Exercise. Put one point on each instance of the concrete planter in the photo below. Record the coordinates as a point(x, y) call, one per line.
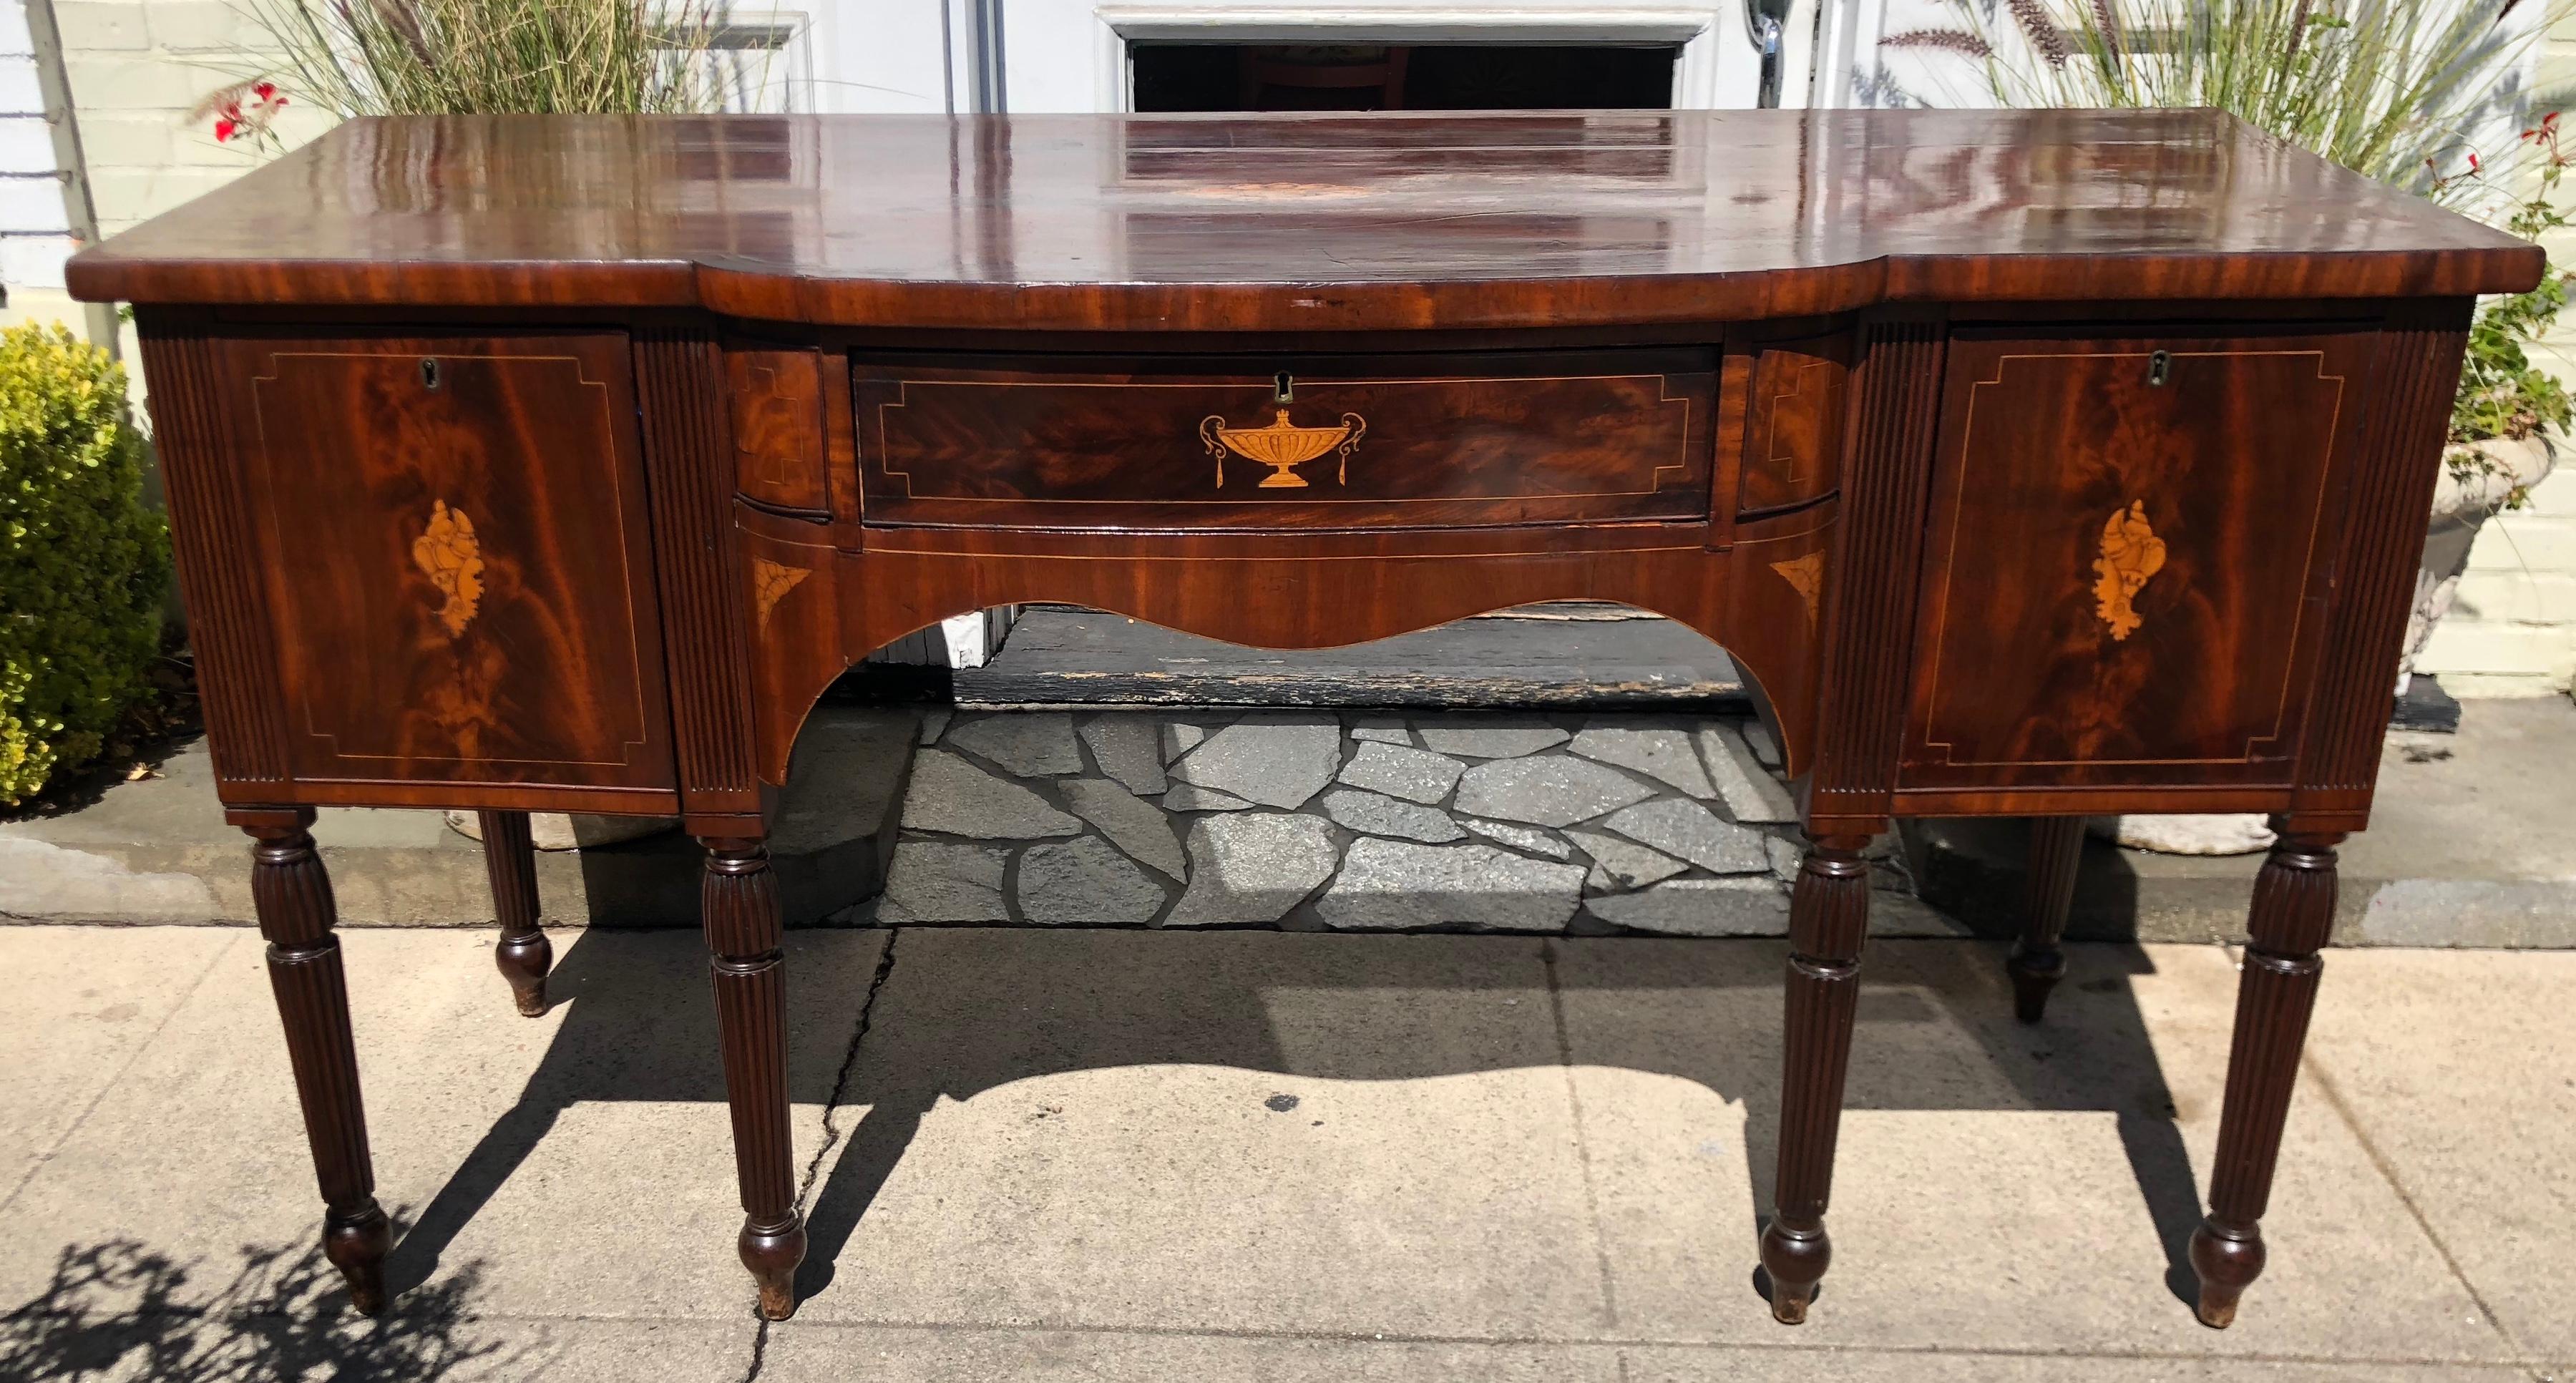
point(2461, 506)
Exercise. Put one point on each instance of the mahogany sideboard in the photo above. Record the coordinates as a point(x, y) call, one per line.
point(2031, 463)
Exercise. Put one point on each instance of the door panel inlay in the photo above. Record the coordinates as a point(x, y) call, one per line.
point(457, 557)
point(2129, 544)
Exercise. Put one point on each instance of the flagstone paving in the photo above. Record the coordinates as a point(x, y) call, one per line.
point(1369, 821)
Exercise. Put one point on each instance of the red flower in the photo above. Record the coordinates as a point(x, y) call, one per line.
point(224, 128)
point(264, 90)
point(2473, 163)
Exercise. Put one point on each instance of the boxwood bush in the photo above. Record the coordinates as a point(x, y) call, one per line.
point(83, 562)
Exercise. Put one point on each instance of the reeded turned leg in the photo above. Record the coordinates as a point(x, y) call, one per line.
point(523, 955)
point(2056, 843)
point(292, 893)
point(2293, 914)
point(1828, 920)
point(740, 903)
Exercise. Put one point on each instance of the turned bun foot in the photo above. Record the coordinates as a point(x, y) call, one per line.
point(2034, 975)
point(2228, 1261)
point(772, 1253)
point(357, 1247)
point(524, 961)
point(1796, 1259)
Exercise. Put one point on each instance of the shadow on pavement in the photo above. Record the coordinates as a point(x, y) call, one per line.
point(1935, 1032)
point(119, 1309)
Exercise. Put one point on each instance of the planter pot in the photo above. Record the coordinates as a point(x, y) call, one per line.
point(561, 831)
point(2460, 508)
point(2216, 834)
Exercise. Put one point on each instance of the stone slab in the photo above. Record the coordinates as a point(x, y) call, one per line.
point(954, 797)
point(1031, 744)
point(1551, 791)
point(573, 1165)
point(1486, 738)
point(1394, 884)
point(1375, 813)
point(1751, 794)
point(1415, 775)
point(1132, 824)
point(1128, 748)
point(1273, 760)
point(942, 881)
point(1085, 881)
point(1526, 839)
point(1622, 864)
point(1658, 751)
point(1189, 797)
point(1228, 1131)
point(1252, 868)
point(1998, 1187)
point(1693, 832)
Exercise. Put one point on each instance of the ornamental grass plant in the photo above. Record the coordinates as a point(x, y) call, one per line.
point(83, 561)
point(474, 57)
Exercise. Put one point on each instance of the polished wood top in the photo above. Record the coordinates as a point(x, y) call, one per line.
point(1337, 222)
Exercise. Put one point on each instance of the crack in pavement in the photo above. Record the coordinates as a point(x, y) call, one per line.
point(831, 1129)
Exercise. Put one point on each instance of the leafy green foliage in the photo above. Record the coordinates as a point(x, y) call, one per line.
point(2502, 394)
point(83, 562)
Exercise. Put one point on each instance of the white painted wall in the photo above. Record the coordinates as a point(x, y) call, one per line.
point(35, 226)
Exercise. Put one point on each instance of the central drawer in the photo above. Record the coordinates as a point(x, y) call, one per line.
point(1287, 442)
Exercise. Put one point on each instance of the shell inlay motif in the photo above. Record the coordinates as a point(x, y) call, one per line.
point(1806, 576)
point(2131, 553)
point(448, 555)
point(770, 583)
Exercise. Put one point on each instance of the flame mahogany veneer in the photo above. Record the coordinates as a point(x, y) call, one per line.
point(2036, 463)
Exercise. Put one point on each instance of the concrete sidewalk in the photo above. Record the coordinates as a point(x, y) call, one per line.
point(1078, 1154)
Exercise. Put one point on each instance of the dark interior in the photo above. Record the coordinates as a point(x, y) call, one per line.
point(1431, 76)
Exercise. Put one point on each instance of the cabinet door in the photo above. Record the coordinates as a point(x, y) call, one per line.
point(2128, 558)
point(459, 573)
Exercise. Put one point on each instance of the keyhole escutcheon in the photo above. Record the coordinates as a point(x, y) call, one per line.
point(1284, 387)
point(2160, 368)
point(429, 373)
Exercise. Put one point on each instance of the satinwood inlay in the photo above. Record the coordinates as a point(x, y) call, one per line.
point(2131, 553)
point(448, 555)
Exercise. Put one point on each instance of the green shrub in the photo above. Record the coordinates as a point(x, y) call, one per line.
point(83, 562)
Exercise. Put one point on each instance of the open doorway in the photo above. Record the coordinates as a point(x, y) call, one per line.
point(1170, 77)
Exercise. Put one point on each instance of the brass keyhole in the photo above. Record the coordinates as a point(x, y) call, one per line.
point(429, 373)
point(1285, 386)
point(2160, 367)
